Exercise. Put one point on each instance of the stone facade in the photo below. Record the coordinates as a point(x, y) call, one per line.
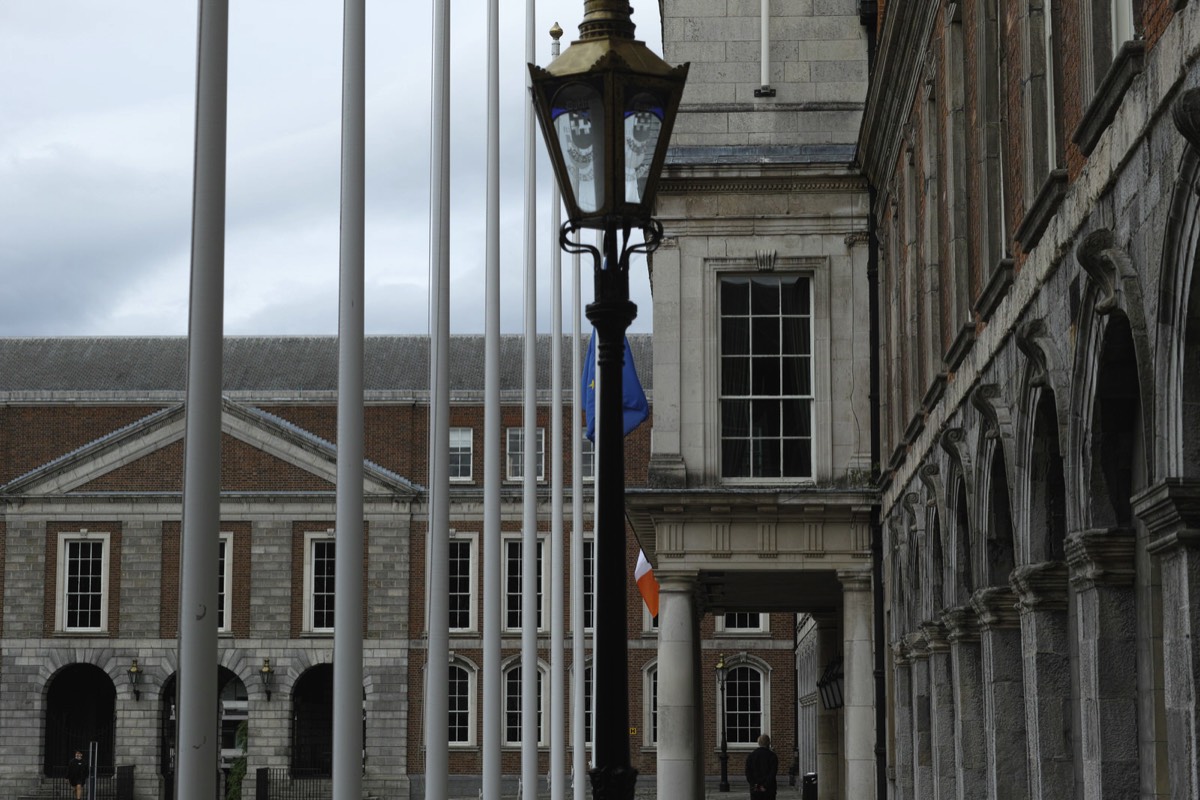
point(1037, 308)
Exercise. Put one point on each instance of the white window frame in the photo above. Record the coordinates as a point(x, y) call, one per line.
point(764, 676)
point(543, 588)
point(225, 585)
point(60, 590)
point(1120, 23)
point(472, 540)
point(310, 540)
point(543, 703)
point(589, 594)
point(587, 460)
point(470, 453)
point(815, 386)
point(472, 706)
point(764, 624)
point(514, 458)
point(650, 704)
point(649, 623)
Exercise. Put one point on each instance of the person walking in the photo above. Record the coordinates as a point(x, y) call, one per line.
point(761, 766)
point(77, 773)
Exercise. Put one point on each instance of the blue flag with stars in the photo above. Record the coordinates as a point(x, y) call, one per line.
point(633, 397)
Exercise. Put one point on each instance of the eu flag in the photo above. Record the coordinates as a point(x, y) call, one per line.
point(633, 398)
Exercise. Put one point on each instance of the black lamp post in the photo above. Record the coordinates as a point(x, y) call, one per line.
point(722, 673)
point(606, 107)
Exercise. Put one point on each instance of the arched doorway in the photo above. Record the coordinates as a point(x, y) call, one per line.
point(80, 708)
point(312, 723)
point(232, 712)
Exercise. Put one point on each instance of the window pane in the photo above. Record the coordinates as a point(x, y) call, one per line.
point(796, 380)
point(797, 418)
point(512, 584)
point(323, 586)
point(735, 376)
point(735, 418)
point(460, 705)
point(460, 453)
point(764, 296)
point(766, 462)
point(765, 336)
point(735, 458)
point(221, 584)
point(796, 337)
point(794, 296)
point(766, 418)
point(512, 706)
point(589, 582)
point(743, 705)
point(765, 377)
point(735, 336)
point(83, 599)
point(797, 458)
point(735, 296)
point(460, 584)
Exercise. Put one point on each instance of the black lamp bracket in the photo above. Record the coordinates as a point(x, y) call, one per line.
point(652, 236)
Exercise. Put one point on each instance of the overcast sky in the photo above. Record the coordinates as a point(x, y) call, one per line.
point(96, 132)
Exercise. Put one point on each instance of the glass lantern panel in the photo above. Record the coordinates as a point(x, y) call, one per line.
point(643, 127)
point(577, 113)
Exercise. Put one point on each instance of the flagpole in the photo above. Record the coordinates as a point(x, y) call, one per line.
point(492, 441)
point(196, 771)
point(578, 665)
point(348, 558)
point(529, 587)
point(558, 589)
point(437, 674)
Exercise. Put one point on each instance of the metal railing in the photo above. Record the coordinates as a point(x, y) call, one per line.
point(281, 783)
point(111, 784)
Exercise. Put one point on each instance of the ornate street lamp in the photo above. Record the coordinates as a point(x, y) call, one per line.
point(135, 676)
point(606, 108)
point(722, 674)
point(266, 675)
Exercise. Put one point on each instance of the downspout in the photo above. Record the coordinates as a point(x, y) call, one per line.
point(868, 17)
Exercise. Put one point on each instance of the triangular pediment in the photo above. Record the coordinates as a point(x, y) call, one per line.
point(261, 454)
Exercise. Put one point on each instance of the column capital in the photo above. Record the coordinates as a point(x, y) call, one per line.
point(1041, 587)
point(996, 607)
point(962, 625)
point(855, 580)
point(900, 653)
point(935, 637)
point(918, 648)
point(1103, 557)
point(677, 581)
point(1170, 510)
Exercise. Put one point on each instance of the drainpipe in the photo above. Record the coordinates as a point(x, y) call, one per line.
point(868, 17)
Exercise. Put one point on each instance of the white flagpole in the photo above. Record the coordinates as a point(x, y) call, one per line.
point(348, 560)
point(578, 699)
point(493, 447)
point(437, 748)
point(196, 772)
point(529, 587)
point(558, 590)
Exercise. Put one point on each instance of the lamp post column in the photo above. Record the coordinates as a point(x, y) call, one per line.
point(613, 777)
point(724, 784)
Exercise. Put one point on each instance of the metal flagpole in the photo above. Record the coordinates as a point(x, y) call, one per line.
point(492, 443)
point(578, 700)
point(196, 768)
point(529, 587)
point(437, 674)
point(348, 557)
point(558, 589)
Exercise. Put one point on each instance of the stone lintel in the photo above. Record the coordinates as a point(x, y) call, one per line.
point(935, 637)
point(1170, 510)
point(1041, 587)
point(1101, 558)
point(962, 625)
point(996, 607)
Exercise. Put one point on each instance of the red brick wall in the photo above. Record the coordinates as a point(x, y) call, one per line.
point(30, 436)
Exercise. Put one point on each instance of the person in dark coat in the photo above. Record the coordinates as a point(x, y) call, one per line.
point(77, 773)
point(761, 766)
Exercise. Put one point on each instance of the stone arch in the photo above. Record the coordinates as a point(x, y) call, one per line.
point(1177, 334)
point(1044, 510)
point(80, 707)
point(962, 556)
point(935, 506)
point(997, 557)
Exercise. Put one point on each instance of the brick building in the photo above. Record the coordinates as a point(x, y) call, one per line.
point(1034, 172)
point(91, 443)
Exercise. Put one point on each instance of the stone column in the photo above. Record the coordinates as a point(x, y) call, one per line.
point(829, 721)
point(679, 748)
point(970, 754)
point(859, 684)
point(1003, 693)
point(941, 712)
point(1046, 644)
point(902, 715)
point(918, 655)
point(1171, 512)
point(1102, 574)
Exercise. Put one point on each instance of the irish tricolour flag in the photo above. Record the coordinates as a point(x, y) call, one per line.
point(643, 573)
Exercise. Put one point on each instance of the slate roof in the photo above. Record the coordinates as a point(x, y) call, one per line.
point(256, 365)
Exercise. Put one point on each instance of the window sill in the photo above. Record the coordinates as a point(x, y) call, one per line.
point(316, 634)
point(997, 286)
point(936, 389)
point(915, 426)
point(1044, 207)
point(82, 634)
point(961, 345)
point(1103, 108)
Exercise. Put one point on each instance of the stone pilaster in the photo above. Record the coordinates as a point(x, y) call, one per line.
point(1102, 573)
point(1042, 590)
point(918, 655)
point(680, 753)
point(858, 683)
point(1171, 512)
point(903, 712)
point(1003, 693)
point(941, 711)
point(970, 755)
